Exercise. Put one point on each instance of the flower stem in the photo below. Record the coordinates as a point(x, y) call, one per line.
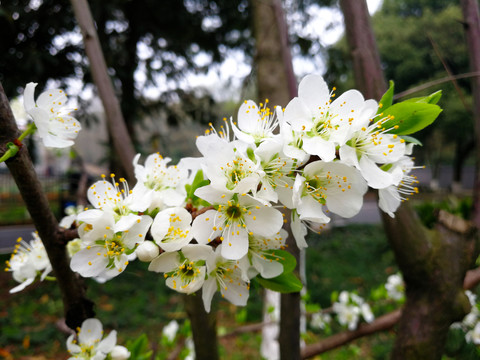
point(29, 130)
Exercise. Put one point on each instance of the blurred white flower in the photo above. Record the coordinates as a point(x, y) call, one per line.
point(55, 125)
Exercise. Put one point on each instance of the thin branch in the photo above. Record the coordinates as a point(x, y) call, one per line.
point(449, 72)
point(382, 323)
point(435, 82)
point(76, 307)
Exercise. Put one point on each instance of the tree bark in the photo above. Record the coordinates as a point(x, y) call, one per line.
point(76, 307)
point(276, 81)
point(115, 121)
point(472, 33)
point(366, 59)
point(433, 263)
point(204, 328)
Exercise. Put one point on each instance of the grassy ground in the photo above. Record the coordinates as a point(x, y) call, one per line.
point(354, 257)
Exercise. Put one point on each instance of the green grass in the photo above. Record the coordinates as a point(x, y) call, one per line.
point(350, 258)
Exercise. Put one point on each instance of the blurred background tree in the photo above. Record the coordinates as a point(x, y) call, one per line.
point(419, 42)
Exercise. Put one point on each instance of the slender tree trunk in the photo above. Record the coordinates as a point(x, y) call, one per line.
point(472, 32)
point(276, 81)
point(116, 124)
point(367, 68)
point(204, 329)
point(76, 307)
point(433, 263)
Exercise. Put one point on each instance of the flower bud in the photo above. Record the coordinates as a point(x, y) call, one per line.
point(120, 353)
point(147, 251)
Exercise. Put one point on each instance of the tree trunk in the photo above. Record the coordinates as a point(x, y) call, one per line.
point(433, 263)
point(472, 32)
point(204, 328)
point(276, 81)
point(115, 122)
point(366, 60)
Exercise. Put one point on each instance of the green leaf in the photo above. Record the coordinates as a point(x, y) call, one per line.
point(387, 98)
point(284, 283)
point(284, 257)
point(197, 182)
point(410, 117)
point(412, 140)
point(430, 99)
point(139, 348)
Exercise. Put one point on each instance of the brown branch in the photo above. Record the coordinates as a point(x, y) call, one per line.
point(247, 329)
point(76, 307)
point(382, 323)
point(115, 121)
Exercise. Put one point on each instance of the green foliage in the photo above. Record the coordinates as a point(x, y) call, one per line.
point(460, 207)
point(139, 348)
point(387, 99)
point(284, 283)
point(197, 182)
point(362, 260)
point(410, 117)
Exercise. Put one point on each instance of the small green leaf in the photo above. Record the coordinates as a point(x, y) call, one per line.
point(430, 99)
point(387, 98)
point(410, 117)
point(139, 348)
point(197, 182)
point(284, 283)
point(284, 257)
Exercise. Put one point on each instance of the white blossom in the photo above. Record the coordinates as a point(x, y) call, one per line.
point(55, 125)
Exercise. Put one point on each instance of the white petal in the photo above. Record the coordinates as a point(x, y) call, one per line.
point(235, 243)
point(196, 252)
point(314, 91)
point(203, 227)
point(88, 263)
point(299, 231)
point(208, 290)
point(265, 221)
point(375, 177)
point(268, 269)
point(298, 115)
point(166, 262)
point(125, 222)
point(320, 147)
point(28, 96)
point(248, 116)
point(107, 344)
point(90, 332)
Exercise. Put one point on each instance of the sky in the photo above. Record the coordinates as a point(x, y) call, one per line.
point(327, 21)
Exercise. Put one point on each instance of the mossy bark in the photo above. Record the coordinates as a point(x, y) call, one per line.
point(434, 264)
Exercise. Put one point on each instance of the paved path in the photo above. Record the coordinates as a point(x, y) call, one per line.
point(10, 234)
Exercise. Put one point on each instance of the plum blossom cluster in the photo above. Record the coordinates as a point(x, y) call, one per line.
point(349, 310)
point(216, 221)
